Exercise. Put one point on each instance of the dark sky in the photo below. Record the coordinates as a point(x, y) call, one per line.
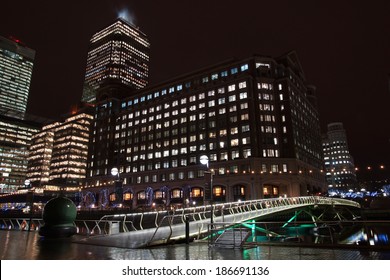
point(343, 46)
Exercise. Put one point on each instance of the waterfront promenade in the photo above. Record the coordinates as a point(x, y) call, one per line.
point(23, 245)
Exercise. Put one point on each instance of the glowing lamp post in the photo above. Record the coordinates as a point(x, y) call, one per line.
point(204, 160)
point(118, 185)
point(30, 198)
point(208, 191)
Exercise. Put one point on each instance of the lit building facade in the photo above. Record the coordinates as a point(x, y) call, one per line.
point(15, 139)
point(16, 128)
point(255, 119)
point(339, 165)
point(16, 66)
point(58, 154)
point(118, 55)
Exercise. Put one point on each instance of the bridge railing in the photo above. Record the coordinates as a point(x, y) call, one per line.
point(237, 211)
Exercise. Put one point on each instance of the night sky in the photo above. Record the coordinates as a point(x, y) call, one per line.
point(343, 46)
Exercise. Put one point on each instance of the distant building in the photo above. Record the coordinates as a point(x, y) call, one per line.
point(58, 153)
point(256, 120)
point(118, 57)
point(15, 139)
point(16, 66)
point(339, 165)
point(16, 128)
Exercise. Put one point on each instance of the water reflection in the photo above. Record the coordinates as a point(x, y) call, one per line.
point(345, 233)
point(18, 245)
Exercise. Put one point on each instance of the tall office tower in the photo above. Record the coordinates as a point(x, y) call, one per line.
point(58, 154)
point(255, 119)
point(16, 65)
point(339, 165)
point(40, 154)
point(118, 57)
point(15, 138)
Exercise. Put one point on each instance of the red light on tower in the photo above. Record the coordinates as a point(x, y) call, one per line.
point(16, 40)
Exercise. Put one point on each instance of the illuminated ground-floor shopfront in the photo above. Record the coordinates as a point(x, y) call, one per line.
point(234, 187)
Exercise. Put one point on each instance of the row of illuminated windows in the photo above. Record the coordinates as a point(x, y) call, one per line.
point(179, 87)
point(25, 66)
point(182, 120)
point(191, 149)
point(191, 174)
point(122, 28)
point(79, 164)
point(17, 86)
point(183, 101)
point(183, 130)
point(135, 50)
point(70, 144)
point(14, 63)
point(201, 136)
point(16, 70)
point(183, 140)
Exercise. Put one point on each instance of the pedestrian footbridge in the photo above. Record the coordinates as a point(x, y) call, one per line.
point(136, 230)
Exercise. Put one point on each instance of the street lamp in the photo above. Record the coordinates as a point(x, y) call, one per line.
point(118, 185)
point(208, 191)
point(30, 198)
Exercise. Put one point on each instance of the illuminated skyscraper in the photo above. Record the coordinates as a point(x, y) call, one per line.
point(15, 138)
point(16, 129)
point(16, 65)
point(118, 55)
point(339, 165)
point(58, 153)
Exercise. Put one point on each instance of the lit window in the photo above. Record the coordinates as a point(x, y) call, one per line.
point(231, 88)
point(221, 101)
point(234, 142)
point(244, 67)
point(221, 90)
point(242, 85)
point(243, 95)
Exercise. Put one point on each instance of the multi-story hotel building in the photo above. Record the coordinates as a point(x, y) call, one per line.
point(255, 119)
point(118, 55)
point(58, 153)
point(339, 165)
point(16, 65)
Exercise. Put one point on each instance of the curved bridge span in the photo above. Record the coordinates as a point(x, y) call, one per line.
point(137, 230)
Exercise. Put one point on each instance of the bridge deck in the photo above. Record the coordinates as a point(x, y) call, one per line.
point(172, 226)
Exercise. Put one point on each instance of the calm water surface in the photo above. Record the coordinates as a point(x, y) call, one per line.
point(22, 245)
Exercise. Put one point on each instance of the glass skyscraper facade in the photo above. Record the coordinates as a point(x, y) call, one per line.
point(16, 129)
point(118, 55)
point(15, 138)
point(16, 66)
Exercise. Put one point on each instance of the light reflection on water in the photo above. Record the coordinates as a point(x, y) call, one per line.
point(18, 245)
point(373, 234)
